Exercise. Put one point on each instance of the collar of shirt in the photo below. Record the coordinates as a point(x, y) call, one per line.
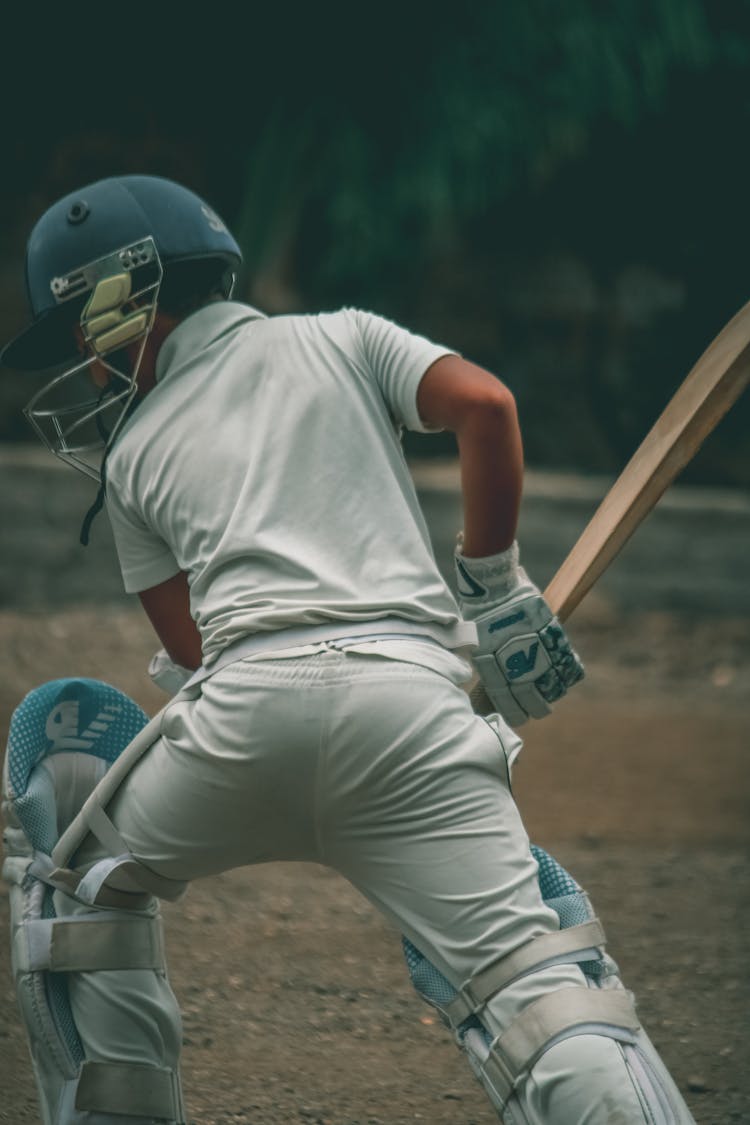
point(199, 330)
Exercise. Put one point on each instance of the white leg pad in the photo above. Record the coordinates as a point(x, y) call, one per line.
point(545, 1061)
point(102, 1022)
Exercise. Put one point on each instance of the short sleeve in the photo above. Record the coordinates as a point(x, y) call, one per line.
point(145, 559)
point(398, 359)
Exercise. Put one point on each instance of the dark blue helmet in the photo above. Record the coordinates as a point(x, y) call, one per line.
point(94, 222)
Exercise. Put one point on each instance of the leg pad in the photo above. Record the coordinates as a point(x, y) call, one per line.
point(63, 739)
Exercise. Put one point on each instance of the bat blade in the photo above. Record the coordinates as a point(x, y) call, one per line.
point(711, 388)
point(713, 385)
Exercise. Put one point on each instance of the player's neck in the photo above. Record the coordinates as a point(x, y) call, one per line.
point(163, 326)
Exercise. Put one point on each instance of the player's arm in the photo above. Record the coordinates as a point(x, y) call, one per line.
point(524, 658)
point(167, 606)
point(456, 395)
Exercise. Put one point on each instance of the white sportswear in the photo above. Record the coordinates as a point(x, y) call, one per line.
point(266, 464)
point(206, 476)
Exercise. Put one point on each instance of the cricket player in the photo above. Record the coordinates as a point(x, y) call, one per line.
point(263, 513)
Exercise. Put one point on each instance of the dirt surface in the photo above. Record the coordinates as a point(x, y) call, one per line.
point(296, 1001)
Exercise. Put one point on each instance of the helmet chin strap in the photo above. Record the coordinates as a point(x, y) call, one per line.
point(98, 504)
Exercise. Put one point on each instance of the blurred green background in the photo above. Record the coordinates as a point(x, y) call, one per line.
point(557, 190)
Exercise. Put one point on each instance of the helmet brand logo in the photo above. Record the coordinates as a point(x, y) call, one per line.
point(214, 221)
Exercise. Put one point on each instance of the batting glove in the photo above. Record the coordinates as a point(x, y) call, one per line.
point(524, 659)
point(167, 675)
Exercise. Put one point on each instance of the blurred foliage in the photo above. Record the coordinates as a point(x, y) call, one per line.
point(381, 167)
point(557, 190)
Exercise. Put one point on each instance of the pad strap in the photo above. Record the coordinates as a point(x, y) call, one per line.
point(134, 880)
point(556, 1016)
point(84, 944)
point(129, 1089)
point(137, 876)
point(559, 945)
point(78, 829)
point(131, 879)
point(91, 890)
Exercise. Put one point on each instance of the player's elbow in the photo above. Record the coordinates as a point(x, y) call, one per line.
point(455, 393)
point(489, 409)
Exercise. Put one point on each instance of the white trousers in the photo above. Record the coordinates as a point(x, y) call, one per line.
point(380, 770)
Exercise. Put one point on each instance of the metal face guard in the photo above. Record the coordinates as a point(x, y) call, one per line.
point(72, 421)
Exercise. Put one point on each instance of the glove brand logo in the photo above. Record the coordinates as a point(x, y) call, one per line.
point(62, 726)
point(504, 622)
point(472, 588)
point(521, 663)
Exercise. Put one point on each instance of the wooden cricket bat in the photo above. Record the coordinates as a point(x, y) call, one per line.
point(714, 384)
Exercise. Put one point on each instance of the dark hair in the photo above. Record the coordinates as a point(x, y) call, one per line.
point(189, 284)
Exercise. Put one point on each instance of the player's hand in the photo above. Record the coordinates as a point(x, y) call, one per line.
point(167, 675)
point(524, 659)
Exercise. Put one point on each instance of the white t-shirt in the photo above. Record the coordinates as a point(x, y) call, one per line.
point(266, 463)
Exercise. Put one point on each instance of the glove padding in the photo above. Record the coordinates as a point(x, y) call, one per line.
point(524, 659)
point(167, 675)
